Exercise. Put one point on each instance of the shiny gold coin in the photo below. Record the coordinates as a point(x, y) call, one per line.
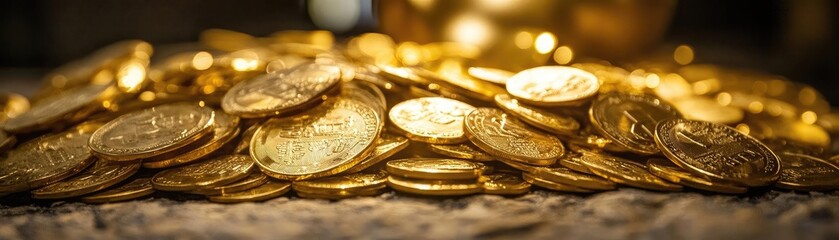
point(462, 85)
point(320, 142)
point(807, 173)
point(6, 141)
point(538, 118)
point(101, 175)
point(225, 128)
point(46, 159)
point(434, 168)
point(568, 177)
point(269, 190)
point(245, 141)
point(706, 109)
point(717, 151)
point(386, 146)
point(535, 180)
point(763, 127)
point(347, 183)
point(280, 92)
point(254, 179)
point(665, 169)
point(340, 194)
point(493, 75)
point(462, 151)
point(574, 163)
point(505, 137)
point(553, 86)
point(626, 172)
point(504, 184)
point(69, 105)
point(434, 187)
point(152, 131)
point(136, 188)
point(217, 171)
point(431, 119)
point(629, 120)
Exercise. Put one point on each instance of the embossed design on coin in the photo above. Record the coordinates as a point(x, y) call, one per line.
point(431, 119)
point(101, 175)
point(151, 131)
point(54, 108)
point(804, 172)
point(136, 188)
point(625, 172)
point(347, 183)
point(213, 172)
point(717, 151)
point(504, 184)
point(665, 169)
point(280, 92)
point(538, 118)
point(505, 137)
point(553, 85)
point(225, 128)
point(434, 168)
point(630, 120)
point(254, 179)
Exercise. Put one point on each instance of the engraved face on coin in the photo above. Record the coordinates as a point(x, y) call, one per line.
point(630, 120)
point(434, 168)
point(431, 119)
point(57, 107)
point(279, 92)
point(553, 85)
point(212, 172)
point(542, 119)
point(806, 173)
point(502, 136)
point(152, 131)
point(717, 151)
point(101, 175)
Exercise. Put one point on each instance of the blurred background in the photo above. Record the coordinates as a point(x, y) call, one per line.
point(795, 39)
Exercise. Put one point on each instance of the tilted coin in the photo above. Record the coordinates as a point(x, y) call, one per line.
point(568, 177)
point(349, 183)
point(538, 118)
point(553, 86)
point(463, 151)
point(807, 173)
point(706, 109)
point(271, 189)
point(431, 119)
point(386, 146)
point(136, 188)
point(717, 151)
point(216, 171)
point(434, 168)
point(630, 120)
point(434, 187)
point(280, 92)
point(665, 169)
point(340, 194)
point(320, 142)
point(505, 137)
point(245, 141)
point(70, 105)
point(626, 172)
point(504, 184)
point(152, 131)
point(46, 159)
point(225, 128)
point(254, 179)
point(6, 141)
point(461, 85)
point(493, 75)
point(101, 175)
point(556, 186)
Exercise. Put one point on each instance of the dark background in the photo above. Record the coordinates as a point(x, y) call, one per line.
point(793, 38)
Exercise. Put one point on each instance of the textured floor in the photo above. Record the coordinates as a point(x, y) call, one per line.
point(627, 213)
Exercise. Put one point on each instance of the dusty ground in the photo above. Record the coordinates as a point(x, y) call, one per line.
point(627, 213)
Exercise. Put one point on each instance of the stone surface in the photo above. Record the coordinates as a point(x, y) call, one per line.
point(627, 213)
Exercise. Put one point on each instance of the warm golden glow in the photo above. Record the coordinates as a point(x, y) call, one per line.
point(743, 128)
point(244, 64)
point(755, 107)
point(524, 40)
point(545, 42)
point(683, 54)
point(471, 29)
point(652, 81)
point(724, 98)
point(807, 96)
point(809, 117)
point(131, 76)
point(202, 61)
point(563, 55)
point(147, 96)
point(409, 53)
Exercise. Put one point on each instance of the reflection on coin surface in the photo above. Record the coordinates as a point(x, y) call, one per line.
point(538, 118)
point(504, 184)
point(101, 175)
point(212, 172)
point(568, 177)
point(434, 187)
point(463, 150)
point(351, 182)
point(807, 173)
point(706, 109)
point(254, 179)
point(630, 120)
point(431, 119)
point(553, 85)
point(56, 108)
point(386, 146)
point(492, 75)
point(665, 169)
point(269, 190)
point(502, 136)
point(625, 172)
point(717, 151)
point(133, 189)
point(556, 186)
point(225, 128)
point(434, 168)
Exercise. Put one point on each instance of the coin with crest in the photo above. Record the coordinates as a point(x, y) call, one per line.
point(431, 119)
point(503, 136)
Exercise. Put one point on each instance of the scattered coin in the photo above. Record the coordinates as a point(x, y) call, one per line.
point(553, 86)
point(254, 179)
point(225, 128)
point(504, 184)
point(67, 106)
point(101, 175)
point(626, 172)
point(431, 119)
point(530, 178)
point(269, 190)
point(541, 119)
point(665, 169)
point(493, 75)
point(462, 151)
point(434, 187)
point(434, 168)
point(807, 173)
point(630, 120)
point(218, 171)
point(136, 188)
point(505, 137)
point(568, 177)
point(343, 186)
point(386, 146)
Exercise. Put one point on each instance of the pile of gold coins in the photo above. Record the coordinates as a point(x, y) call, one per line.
point(239, 118)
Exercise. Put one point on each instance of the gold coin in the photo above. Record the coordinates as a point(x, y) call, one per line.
point(152, 131)
point(504, 184)
point(462, 85)
point(69, 105)
point(340, 194)
point(46, 159)
point(213, 172)
point(665, 169)
point(568, 177)
point(626, 172)
point(225, 128)
point(807, 173)
point(763, 127)
point(136, 188)
point(245, 141)
point(6, 141)
point(462, 151)
point(269, 190)
point(254, 179)
point(706, 109)
point(435, 168)
point(717, 151)
point(280, 92)
point(386, 146)
point(431, 119)
point(320, 142)
point(101, 175)
point(553, 86)
point(401, 75)
point(629, 120)
point(434, 187)
point(538, 118)
point(505, 137)
point(493, 75)
point(347, 183)
point(574, 163)
point(535, 180)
